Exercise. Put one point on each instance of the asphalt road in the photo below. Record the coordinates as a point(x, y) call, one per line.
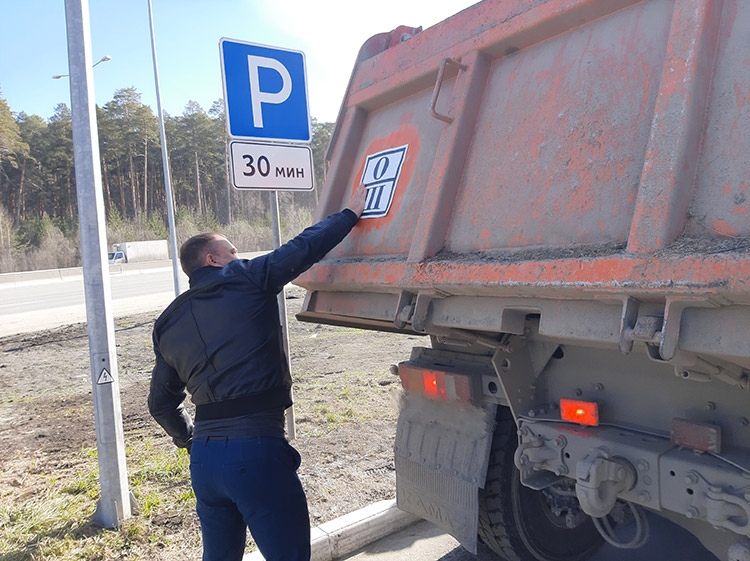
point(53, 293)
point(46, 299)
point(425, 542)
point(45, 303)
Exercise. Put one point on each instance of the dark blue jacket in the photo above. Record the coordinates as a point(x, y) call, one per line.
point(221, 340)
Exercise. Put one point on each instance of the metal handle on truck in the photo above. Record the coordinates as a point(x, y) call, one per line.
point(439, 84)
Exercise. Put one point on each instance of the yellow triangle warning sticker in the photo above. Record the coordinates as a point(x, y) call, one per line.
point(105, 377)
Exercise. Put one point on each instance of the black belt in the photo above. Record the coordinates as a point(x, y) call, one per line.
point(243, 405)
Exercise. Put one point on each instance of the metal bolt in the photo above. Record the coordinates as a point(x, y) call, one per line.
point(532, 413)
point(692, 512)
point(561, 470)
point(714, 489)
point(599, 387)
point(710, 406)
point(643, 465)
point(523, 460)
point(559, 441)
point(579, 392)
point(644, 496)
point(691, 478)
point(646, 480)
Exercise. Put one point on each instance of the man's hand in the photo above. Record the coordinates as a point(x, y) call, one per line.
point(357, 200)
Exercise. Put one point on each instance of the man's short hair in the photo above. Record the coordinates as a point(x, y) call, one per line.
point(193, 252)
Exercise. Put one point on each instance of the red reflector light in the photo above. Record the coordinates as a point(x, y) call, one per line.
point(430, 380)
point(580, 412)
point(705, 437)
point(435, 384)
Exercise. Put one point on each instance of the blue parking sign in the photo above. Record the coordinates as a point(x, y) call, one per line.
point(265, 92)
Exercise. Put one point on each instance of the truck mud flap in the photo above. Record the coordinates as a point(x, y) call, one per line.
point(441, 456)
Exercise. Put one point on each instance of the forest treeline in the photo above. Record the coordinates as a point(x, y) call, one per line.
point(38, 204)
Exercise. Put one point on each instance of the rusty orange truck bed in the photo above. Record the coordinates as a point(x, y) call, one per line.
point(559, 196)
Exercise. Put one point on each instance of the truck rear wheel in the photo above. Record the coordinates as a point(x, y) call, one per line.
point(521, 524)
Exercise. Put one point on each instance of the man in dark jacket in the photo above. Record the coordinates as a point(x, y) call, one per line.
point(221, 342)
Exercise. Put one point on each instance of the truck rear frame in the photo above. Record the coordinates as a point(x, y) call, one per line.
point(570, 223)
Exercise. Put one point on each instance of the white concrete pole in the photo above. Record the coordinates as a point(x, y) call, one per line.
point(115, 502)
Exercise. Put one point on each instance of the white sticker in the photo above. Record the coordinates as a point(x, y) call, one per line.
point(380, 177)
point(105, 377)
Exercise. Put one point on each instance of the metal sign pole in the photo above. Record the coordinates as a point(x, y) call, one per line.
point(165, 163)
point(274, 198)
point(257, 110)
point(115, 502)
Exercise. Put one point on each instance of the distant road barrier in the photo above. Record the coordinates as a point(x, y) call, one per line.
point(75, 272)
point(48, 274)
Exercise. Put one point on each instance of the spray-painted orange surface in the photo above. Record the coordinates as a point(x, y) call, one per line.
point(581, 149)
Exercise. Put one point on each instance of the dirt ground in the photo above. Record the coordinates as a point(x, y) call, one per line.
point(345, 409)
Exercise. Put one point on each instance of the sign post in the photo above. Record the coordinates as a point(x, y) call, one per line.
point(268, 120)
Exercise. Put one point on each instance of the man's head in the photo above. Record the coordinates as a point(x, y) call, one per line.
point(206, 250)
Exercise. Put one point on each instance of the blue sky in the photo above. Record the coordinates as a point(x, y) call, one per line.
point(33, 45)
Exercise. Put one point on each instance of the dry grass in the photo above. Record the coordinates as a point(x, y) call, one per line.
point(345, 406)
point(43, 245)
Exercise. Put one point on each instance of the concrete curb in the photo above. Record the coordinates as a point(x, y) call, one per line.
point(351, 532)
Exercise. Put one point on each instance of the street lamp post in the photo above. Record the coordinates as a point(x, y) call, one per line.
point(165, 162)
point(105, 58)
point(116, 502)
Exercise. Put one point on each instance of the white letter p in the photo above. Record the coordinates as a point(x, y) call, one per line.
point(258, 97)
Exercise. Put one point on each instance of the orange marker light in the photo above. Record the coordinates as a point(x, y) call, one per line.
point(435, 384)
point(580, 412)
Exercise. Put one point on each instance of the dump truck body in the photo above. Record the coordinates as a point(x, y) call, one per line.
point(558, 199)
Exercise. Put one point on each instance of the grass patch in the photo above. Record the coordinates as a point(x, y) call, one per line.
point(354, 397)
point(55, 522)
